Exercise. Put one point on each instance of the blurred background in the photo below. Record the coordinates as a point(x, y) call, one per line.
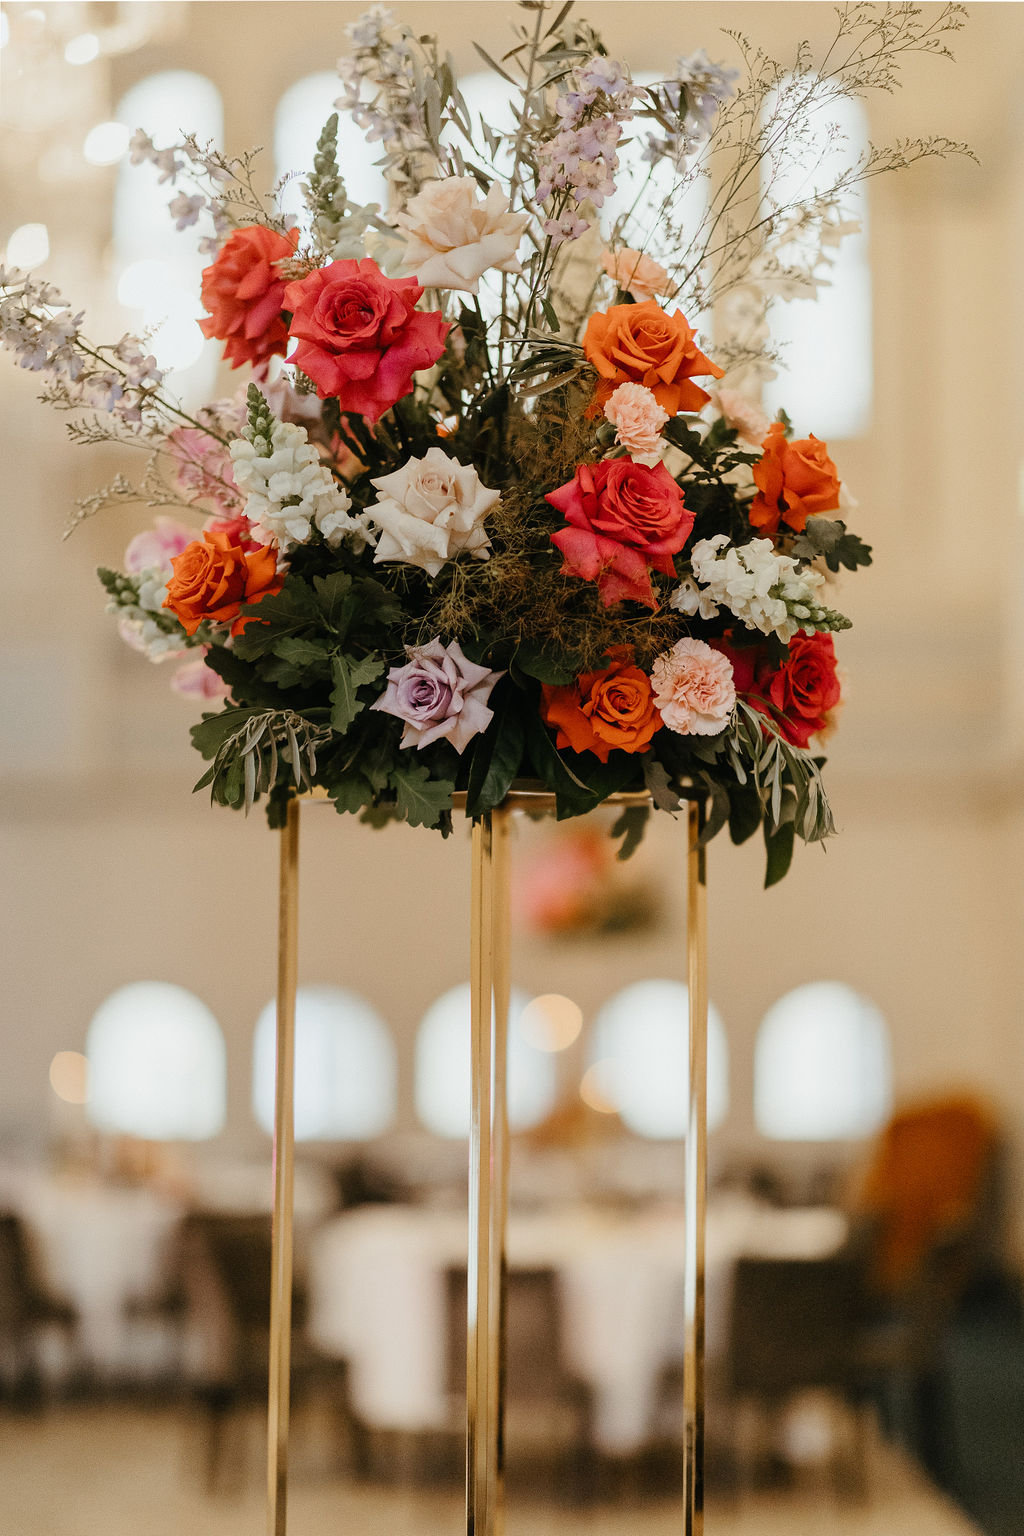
point(866, 1221)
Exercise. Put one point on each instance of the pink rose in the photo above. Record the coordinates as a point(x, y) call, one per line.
point(694, 689)
point(157, 546)
point(640, 276)
point(638, 418)
point(624, 519)
point(361, 337)
point(198, 681)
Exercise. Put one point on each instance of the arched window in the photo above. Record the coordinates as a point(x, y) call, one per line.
point(442, 1080)
point(301, 114)
point(825, 371)
point(157, 1064)
point(345, 1069)
point(640, 1053)
point(159, 267)
point(821, 1066)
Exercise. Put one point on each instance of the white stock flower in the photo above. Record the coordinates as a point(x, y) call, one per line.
point(431, 510)
point(764, 590)
point(290, 492)
point(146, 635)
point(452, 235)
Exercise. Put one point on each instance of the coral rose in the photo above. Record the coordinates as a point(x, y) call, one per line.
point(795, 481)
point(214, 577)
point(805, 688)
point(360, 336)
point(601, 712)
point(244, 293)
point(643, 343)
point(624, 519)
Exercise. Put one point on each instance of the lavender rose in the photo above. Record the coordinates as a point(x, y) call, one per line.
point(438, 693)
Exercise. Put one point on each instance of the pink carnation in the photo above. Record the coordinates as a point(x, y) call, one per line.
point(693, 688)
point(156, 547)
point(634, 411)
point(636, 274)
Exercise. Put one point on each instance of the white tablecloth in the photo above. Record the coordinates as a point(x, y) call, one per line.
point(377, 1297)
point(99, 1247)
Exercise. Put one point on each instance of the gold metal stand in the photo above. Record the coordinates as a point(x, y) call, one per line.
point(696, 1178)
point(278, 1398)
point(488, 1169)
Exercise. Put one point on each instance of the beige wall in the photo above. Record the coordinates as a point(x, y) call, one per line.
point(112, 872)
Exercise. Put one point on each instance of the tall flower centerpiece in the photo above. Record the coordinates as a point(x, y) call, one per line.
point(495, 499)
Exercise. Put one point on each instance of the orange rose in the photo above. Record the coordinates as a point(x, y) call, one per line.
point(602, 711)
point(244, 291)
point(794, 481)
point(214, 577)
point(643, 344)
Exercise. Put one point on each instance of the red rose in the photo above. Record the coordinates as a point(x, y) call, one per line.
point(361, 337)
point(624, 520)
point(795, 480)
point(805, 687)
point(244, 292)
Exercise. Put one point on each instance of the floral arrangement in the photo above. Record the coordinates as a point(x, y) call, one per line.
point(496, 501)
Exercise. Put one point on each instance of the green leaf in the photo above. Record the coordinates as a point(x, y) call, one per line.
point(779, 847)
point(545, 668)
point(282, 613)
point(657, 780)
point(497, 758)
point(301, 652)
point(745, 811)
point(630, 826)
point(719, 813)
point(213, 731)
point(421, 799)
point(550, 315)
point(351, 793)
point(349, 676)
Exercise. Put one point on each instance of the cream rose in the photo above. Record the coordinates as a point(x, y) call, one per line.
point(637, 417)
point(431, 510)
point(693, 688)
point(452, 235)
point(636, 274)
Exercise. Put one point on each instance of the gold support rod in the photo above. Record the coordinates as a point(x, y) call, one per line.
point(488, 1174)
point(284, 1180)
point(696, 1183)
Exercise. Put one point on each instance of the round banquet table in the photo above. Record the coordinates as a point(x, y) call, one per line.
point(377, 1297)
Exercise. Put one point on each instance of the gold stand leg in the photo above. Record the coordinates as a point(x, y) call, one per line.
point(488, 1179)
point(696, 1178)
point(284, 1180)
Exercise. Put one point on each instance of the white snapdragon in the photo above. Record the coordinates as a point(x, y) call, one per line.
point(290, 492)
point(761, 588)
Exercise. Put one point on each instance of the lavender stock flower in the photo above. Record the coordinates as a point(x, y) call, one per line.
point(440, 695)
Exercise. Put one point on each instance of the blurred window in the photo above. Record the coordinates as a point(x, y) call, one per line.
point(345, 1067)
point(822, 1070)
point(301, 114)
point(443, 1067)
point(825, 372)
point(640, 1052)
point(157, 1064)
point(159, 268)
